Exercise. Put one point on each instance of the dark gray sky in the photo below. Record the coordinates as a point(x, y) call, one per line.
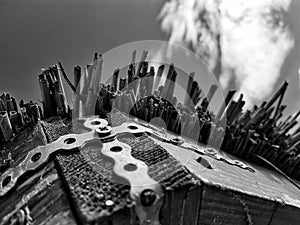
point(37, 33)
point(290, 68)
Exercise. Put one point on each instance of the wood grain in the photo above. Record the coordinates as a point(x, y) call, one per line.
point(41, 192)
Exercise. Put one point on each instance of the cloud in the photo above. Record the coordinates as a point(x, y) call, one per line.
point(241, 40)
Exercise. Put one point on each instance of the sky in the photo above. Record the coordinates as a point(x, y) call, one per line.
point(291, 66)
point(38, 33)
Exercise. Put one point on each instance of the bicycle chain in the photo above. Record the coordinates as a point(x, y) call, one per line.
point(125, 165)
point(100, 130)
point(39, 156)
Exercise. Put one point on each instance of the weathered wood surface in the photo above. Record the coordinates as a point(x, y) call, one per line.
point(227, 194)
point(231, 194)
point(41, 193)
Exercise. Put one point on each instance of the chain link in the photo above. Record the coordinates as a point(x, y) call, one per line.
point(100, 130)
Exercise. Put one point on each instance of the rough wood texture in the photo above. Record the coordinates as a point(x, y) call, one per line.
point(263, 183)
point(232, 195)
point(41, 192)
point(286, 215)
point(15, 151)
point(225, 194)
point(88, 174)
point(220, 207)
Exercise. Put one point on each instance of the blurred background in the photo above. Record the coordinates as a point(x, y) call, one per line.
point(250, 45)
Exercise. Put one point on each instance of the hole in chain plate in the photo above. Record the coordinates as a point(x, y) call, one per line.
point(95, 122)
point(36, 157)
point(132, 127)
point(176, 141)
point(69, 141)
point(204, 163)
point(116, 149)
point(130, 167)
point(6, 181)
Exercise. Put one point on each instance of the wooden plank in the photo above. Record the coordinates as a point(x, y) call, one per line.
point(260, 210)
point(21, 144)
point(228, 194)
point(191, 206)
point(41, 192)
point(221, 207)
point(263, 183)
point(173, 208)
point(286, 215)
